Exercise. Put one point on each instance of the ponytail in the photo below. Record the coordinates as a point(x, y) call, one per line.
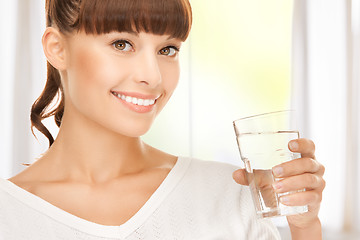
point(39, 109)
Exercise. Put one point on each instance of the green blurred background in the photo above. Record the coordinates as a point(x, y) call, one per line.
point(236, 62)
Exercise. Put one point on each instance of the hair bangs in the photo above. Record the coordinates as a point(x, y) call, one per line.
point(169, 17)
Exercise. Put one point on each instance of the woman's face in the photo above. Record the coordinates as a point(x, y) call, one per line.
point(120, 80)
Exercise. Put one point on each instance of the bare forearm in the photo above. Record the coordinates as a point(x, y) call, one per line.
point(313, 232)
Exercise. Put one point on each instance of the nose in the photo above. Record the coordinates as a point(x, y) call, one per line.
point(147, 69)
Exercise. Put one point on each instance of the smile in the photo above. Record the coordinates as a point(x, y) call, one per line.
point(134, 100)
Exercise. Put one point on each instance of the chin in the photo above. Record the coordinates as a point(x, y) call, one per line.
point(132, 131)
point(135, 134)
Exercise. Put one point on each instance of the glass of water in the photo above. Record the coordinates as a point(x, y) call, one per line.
point(263, 143)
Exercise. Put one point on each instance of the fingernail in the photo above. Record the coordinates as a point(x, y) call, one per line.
point(277, 185)
point(294, 145)
point(278, 171)
point(285, 199)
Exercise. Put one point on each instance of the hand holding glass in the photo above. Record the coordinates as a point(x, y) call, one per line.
point(263, 143)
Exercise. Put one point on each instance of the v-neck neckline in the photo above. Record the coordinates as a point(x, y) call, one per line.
point(95, 229)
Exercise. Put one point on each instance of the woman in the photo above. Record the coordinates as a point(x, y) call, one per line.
point(114, 65)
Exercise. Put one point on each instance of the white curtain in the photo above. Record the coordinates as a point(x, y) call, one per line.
point(7, 46)
point(353, 113)
point(325, 92)
point(22, 75)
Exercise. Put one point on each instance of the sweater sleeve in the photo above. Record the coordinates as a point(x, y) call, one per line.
point(238, 202)
point(259, 229)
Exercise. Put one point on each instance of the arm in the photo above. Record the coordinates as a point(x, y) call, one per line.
point(312, 232)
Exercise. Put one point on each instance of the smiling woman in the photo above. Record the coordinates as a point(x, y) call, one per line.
point(114, 65)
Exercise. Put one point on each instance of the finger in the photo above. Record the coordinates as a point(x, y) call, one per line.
point(304, 146)
point(298, 166)
point(305, 181)
point(310, 198)
point(240, 177)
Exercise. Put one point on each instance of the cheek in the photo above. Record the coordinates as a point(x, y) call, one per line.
point(91, 74)
point(170, 75)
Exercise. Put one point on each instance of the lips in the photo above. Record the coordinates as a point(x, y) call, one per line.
point(137, 102)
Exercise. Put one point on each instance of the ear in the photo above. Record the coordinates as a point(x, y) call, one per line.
point(54, 48)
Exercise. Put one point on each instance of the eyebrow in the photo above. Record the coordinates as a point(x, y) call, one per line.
point(136, 34)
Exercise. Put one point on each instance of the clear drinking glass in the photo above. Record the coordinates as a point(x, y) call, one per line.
point(263, 143)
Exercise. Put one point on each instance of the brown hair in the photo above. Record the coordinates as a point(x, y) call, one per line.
point(171, 17)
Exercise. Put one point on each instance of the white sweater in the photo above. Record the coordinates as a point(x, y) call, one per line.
point(197, 200)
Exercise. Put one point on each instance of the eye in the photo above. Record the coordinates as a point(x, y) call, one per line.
point(169, 51)
point(122, 45)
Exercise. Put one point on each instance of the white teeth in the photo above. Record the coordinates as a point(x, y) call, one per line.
point(137, 101)
point(146, 102)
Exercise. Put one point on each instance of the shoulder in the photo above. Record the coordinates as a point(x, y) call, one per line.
point(211, 176)
point(212, 183)
point(9, 202)
point(213, 164)
point(8, 193)
point(14, 195)
point(211, 169)
point(211, 192)
point(20, 217)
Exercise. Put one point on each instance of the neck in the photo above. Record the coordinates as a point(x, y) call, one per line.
point(88, 152)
